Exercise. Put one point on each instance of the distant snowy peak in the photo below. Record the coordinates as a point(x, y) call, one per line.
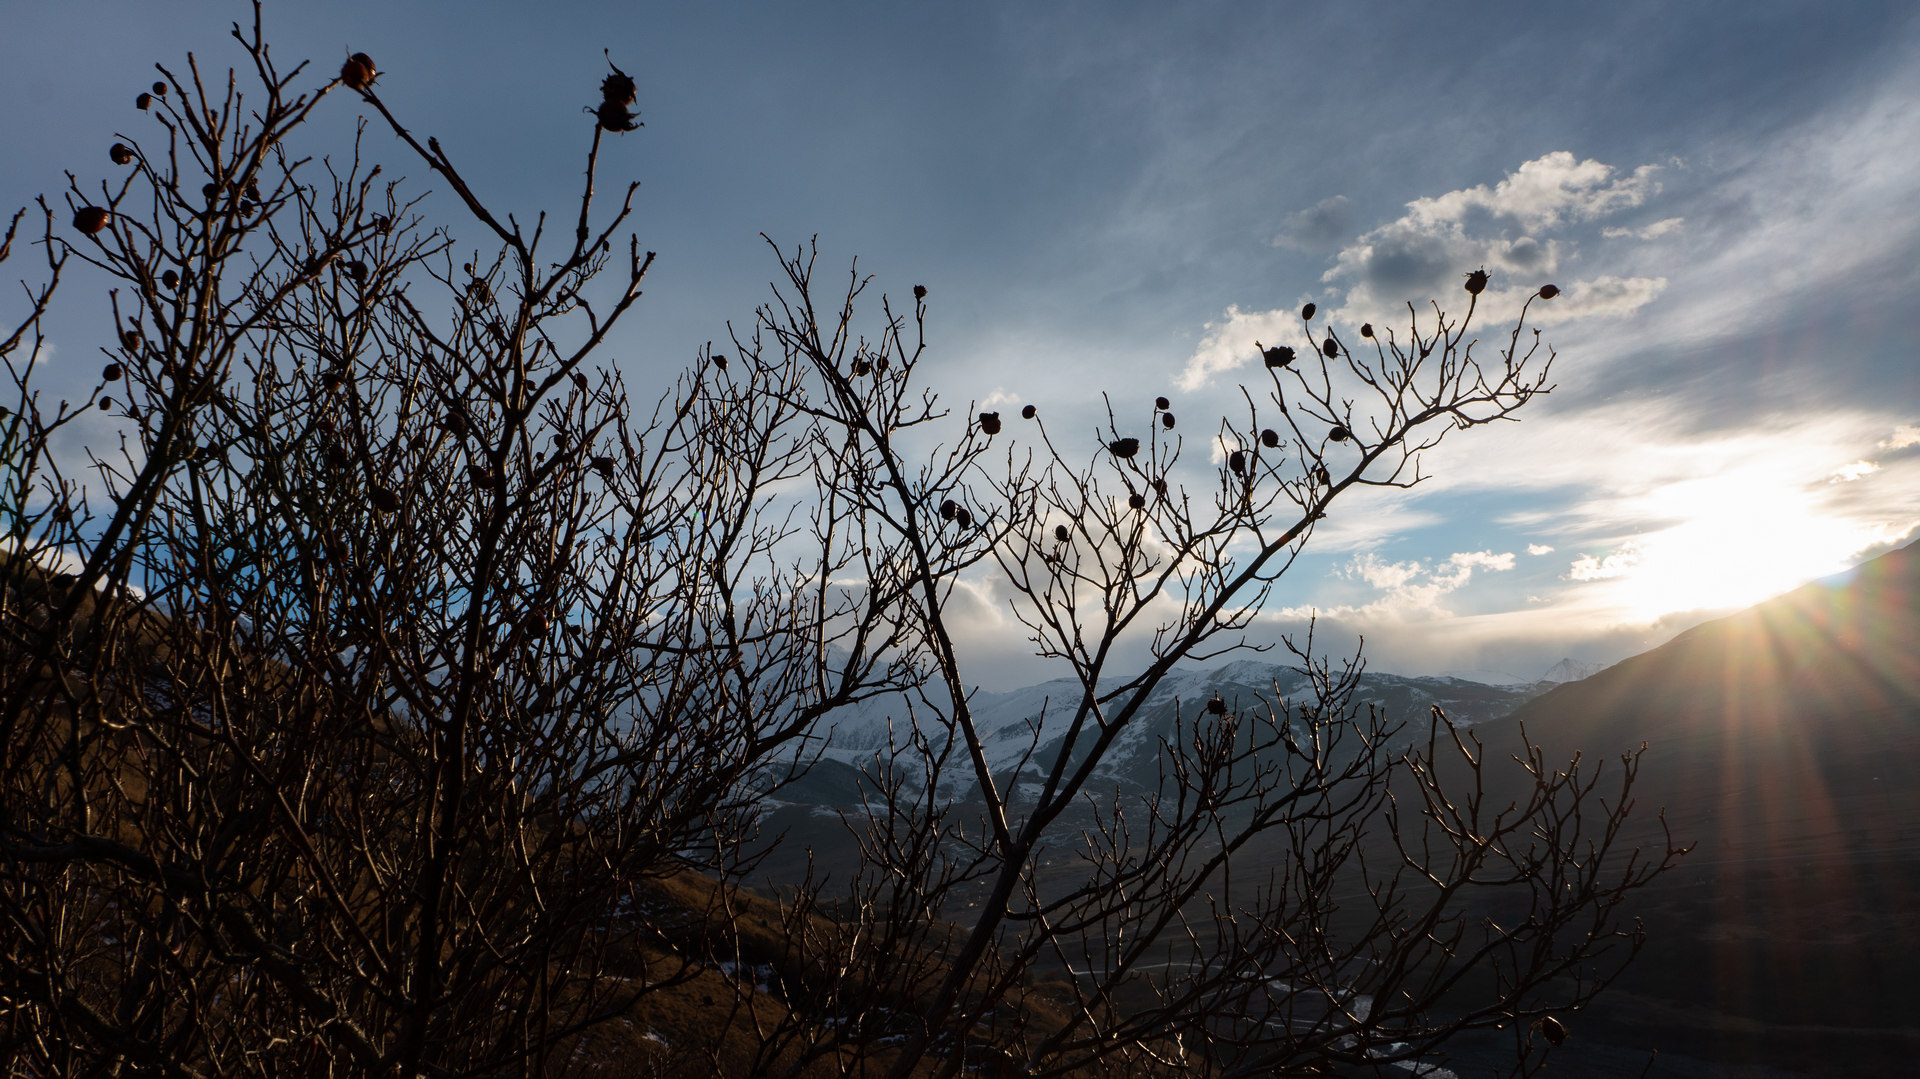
point(1571, 670)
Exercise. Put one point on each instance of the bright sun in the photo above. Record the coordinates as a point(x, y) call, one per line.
point(1739, 540)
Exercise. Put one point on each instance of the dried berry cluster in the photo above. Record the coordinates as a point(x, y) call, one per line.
point(358, 72)
point(617, 92)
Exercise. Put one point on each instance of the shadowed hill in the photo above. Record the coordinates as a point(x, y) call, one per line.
point(1785, 739)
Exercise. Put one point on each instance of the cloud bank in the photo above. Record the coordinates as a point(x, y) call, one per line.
point(1520, 229)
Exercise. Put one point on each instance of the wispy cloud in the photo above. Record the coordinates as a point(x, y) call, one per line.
point(1327, 222)
point(1662, 227)
point(1410, 589)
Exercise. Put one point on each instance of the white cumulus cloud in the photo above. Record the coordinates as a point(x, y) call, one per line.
point(1620, 562)
point(1543, 193)
point(1508, 228)
point(1903, 436)
point(1518, 229)
point(1231, 342)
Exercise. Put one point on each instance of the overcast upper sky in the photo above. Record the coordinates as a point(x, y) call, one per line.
point(1125, 197)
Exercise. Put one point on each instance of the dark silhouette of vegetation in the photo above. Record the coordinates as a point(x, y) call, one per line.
point(409, 694)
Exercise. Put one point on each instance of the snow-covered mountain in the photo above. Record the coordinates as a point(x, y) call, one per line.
point(1029, 722)
point(1571, 670)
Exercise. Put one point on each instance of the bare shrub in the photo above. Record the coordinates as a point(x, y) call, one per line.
point(409, 695)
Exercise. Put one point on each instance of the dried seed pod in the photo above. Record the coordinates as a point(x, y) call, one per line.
point(383, 499)
point(477, 288)
point(210, 192)
point(603, 465)
point(131, 340)
point(579, 381)
point(92, 219)
point(1160, 487)
point(247, 208)
point(121, 153)
point(880, 364)
point(336, 456)
point(1028, 412)
point(1124, 447)
point(1306, 313)
point(1331, 348)
point(990, 422)
point(170, 279)
point(1270, 438)
point(358, 72)
point(1277, 356)
point(253, 192)
point(1554, 1030)
point(963, 518)
point(331, 381)
point(861, 368)
point(382, 224)
point(1060, 533)
point(1320, 476)
point(1166, 420)
point(1548, 292)
point(1162, 403)
point(457, 423)
point(358, 271)
point(143, 102)
point(1366, 329)
point(112, 373)
point(948, 509)
point(1217, 707)
point(1339, 433)
point(615, 117)
point(618, 87)
point(1137, 500)
point(159, 89)
point(481, 476)
point(537, 623)
point(1237, 461)
point(1477, 282)
point(106, 404)
point(919, 292)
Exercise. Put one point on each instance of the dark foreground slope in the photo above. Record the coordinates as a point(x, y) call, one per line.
point(1786, 740)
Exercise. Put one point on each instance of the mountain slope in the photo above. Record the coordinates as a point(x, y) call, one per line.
point(1785, 739)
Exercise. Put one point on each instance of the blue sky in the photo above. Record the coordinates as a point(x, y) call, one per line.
point(1123, 197)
